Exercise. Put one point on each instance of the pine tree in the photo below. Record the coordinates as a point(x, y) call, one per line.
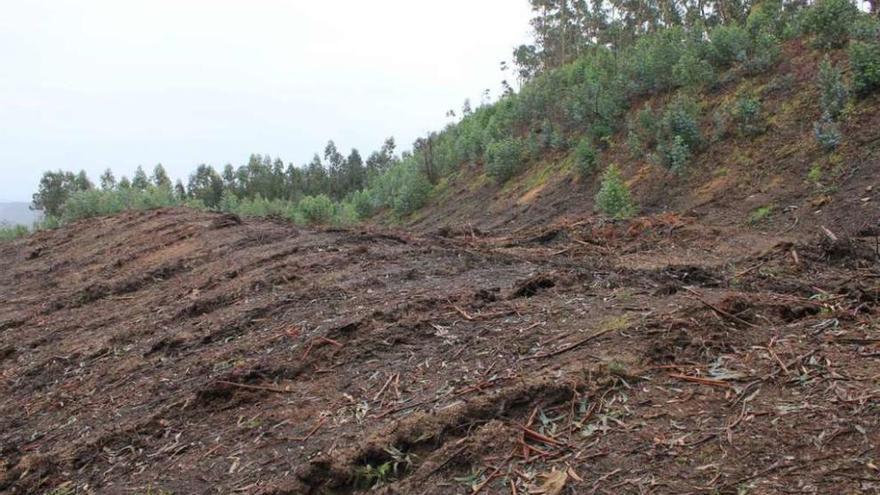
point(613, 197)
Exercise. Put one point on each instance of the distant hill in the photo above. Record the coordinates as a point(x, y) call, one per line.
point(17, 213)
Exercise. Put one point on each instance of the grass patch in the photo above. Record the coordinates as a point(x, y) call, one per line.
point(760, 214)
point(12, 232)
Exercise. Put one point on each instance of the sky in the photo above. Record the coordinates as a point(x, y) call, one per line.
point(96, 84)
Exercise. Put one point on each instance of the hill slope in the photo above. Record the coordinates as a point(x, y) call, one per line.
point(783, 169)
point(175, 351)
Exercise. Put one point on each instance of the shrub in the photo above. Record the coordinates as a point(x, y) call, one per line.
point(830, 21)
point(613, 198)
point(692, 71)
point(865, 62)
point(316, 209)
point(749, 119)
point(504, 159)
point(766, 17)
point(678, 134)
point(865, 28)
point(413, 193)
point(729, 44)
point(11, 232)
point(601, 133)
point(363, 203)
point(827, 133)
point(585, 158)
point(833, 92)
point(679, 155)
point(765, 54)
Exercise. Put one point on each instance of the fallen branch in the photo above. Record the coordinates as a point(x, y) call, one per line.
point(700, 380)
point(571, 347)
point(255, 387)
point(699, 297)
point(311, 432)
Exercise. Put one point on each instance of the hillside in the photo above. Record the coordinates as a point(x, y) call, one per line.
point(727, 182)
point(479, 314)
point(181, 352)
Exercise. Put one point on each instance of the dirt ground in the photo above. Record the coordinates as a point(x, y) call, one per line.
point(183, 352)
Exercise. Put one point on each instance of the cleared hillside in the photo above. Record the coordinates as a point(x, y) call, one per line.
point(174, 351)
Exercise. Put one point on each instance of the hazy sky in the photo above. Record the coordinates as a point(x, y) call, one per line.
point(91, 84)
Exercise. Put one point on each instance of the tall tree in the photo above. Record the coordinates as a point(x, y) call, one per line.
point(108, 181)
point(160, 177)
point(140, 180)
point(55, 188)
point(206, 186)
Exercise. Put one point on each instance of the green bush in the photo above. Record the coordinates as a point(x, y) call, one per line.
point(415, 189)
point(678, 155)
point(678, 133)
point(11, 232)
point(765, 54)
point(692, 71)
point(316, 210)
point(504, 159)
point(97, 202)
point(833, 92)
point(766, 17)
point(830, 21)
point(865, 62)
point(585, 158)
point(729, 44)
point(827, 133)
point(613, 198)
point(749, 118)
point(363, 203)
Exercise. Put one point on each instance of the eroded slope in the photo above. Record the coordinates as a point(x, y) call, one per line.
point(183, 352)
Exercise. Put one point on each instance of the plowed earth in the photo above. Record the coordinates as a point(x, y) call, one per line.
point(183, 352)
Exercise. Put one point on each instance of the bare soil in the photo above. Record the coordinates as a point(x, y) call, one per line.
point(183, 352)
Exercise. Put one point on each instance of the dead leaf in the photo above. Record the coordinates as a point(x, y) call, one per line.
point(554, 483)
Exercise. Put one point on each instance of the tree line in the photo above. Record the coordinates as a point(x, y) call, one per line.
point(583, 79)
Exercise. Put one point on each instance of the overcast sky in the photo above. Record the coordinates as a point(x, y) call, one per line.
point(91, 84)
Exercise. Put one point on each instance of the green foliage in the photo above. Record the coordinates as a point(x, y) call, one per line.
point(55, 188)
point(864, 59)
point(585, 158)
point(833, 92)
point(765, 54)
point(654, 57)
point(642, 131)
point(678, 155)
point(767, 17)
point(316, 210)
point(613, 198)
point(693, 71)
point(749, 117)
point(830, 21)
point(730, 44)
point(98, 202)
point(827, 133)
point(504, 159)
point(760, 214)
point(678, 133)
point(12, 232)
point(375, 474)
point(363, 203)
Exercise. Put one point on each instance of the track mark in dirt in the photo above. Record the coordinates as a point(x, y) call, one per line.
point(212, 353)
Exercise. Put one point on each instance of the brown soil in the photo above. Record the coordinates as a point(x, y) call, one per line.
point(182, 352)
